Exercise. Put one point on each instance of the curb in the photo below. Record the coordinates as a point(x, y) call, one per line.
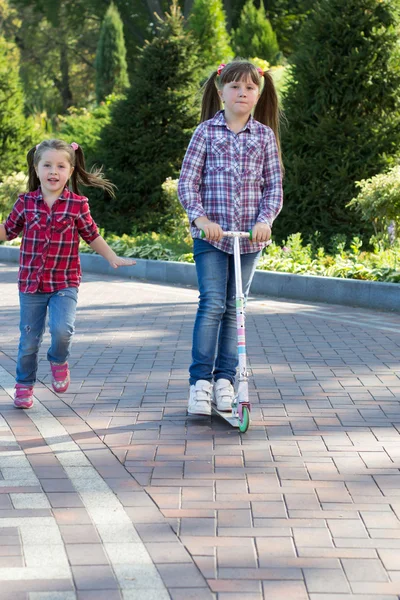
point(307, 288)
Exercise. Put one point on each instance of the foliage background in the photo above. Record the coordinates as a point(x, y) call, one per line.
point(337, 71)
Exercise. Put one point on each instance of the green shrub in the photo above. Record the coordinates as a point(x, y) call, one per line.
point(254, 35)
point(342, 108)
point(10, 188)
point(111, 66)
point(147, 137)
point(155, 246)
point(175, 221)
point(378, 202)
point(351, 263)
point(84, 126)
point(16, 132)
point(207, 22)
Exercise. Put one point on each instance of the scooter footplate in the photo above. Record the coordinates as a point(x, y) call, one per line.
point(227, 416)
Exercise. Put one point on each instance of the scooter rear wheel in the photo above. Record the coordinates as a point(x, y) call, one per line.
point(245, 422)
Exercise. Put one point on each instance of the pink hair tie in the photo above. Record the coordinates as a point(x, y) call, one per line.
point(260, 71)
point(74, 146)
point(221, 66)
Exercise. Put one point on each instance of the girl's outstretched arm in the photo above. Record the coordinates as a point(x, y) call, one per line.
point(3, 234)
point(100, 246)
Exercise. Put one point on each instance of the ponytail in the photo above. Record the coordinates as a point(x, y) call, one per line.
point(267, 109)
point(80, 176)
point(33, 179)
point(94, 178)
point(211, 102)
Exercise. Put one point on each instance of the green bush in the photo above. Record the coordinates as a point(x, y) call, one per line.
point(378, 202)
point(10, 188)
point(342, 109)
point(207, 22)
point(147, 137)
point(111, 66)
point(351, 263)
point(175, 221)
point(84, 126)
point(254, 35)
point(16, 132)
point(155, 246)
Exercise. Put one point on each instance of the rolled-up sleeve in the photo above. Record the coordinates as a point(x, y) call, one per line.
point(272, 196)
point(191, 175)
point(87, 228)
point(16, 219)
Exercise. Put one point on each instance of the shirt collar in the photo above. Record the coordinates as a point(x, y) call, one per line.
point(218, 120)
point(65, 194)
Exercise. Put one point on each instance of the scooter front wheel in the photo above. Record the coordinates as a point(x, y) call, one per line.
point(245, 422)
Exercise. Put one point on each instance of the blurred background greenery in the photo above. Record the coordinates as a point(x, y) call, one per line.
point(123, 79)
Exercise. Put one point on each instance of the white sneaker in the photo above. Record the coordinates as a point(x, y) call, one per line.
point(224, 394)
point(200, 398)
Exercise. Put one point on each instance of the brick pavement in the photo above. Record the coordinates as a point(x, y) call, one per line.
point(110, 491)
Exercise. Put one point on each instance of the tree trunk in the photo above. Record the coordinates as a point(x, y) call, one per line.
point(65, 88)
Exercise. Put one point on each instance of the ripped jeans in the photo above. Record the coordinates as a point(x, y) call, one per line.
point(214, 350)
point(33, 311)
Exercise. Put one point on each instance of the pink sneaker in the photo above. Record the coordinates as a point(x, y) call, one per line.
point(61, 377)
point(23, 396)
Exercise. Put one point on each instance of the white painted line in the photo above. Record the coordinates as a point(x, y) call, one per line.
point(128, 556)
point(52, 596)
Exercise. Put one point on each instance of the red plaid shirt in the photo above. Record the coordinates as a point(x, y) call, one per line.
point(233, 179)
point(49, 256)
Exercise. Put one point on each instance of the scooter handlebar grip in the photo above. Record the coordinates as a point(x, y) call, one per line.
point(202, 234)
point(251, 235)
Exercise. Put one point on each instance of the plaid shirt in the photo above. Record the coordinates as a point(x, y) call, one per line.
point(233, 179)
point(49, 257)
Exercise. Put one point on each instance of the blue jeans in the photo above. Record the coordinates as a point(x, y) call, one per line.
point(33, 310)
point(214, 350)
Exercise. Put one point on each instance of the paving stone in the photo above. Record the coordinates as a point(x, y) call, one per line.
point(358, 569)
point(326, 580)
point(94, 578)
point(312, 489)
point(86, 554)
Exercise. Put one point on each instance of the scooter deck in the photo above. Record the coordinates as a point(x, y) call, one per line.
point(226, 415)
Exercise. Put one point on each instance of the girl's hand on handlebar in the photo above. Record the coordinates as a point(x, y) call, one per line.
point(261, 232)
point(212, 231)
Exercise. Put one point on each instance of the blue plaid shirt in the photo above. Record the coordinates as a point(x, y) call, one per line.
point(233, 179)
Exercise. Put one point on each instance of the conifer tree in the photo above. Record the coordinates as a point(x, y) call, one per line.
point(111, 66)
point(16, 133)
point(254, 35)
point(149, 131)
point(343, 113)
point(207, 21)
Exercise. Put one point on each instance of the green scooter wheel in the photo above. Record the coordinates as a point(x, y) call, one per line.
point(244, 424)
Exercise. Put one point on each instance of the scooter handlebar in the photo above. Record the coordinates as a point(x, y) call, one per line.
point(239, 234)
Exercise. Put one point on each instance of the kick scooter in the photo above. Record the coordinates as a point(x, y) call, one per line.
point(240, 415)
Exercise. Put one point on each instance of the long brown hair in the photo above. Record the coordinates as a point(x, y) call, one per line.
point(267, 109)
point(76, 158)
